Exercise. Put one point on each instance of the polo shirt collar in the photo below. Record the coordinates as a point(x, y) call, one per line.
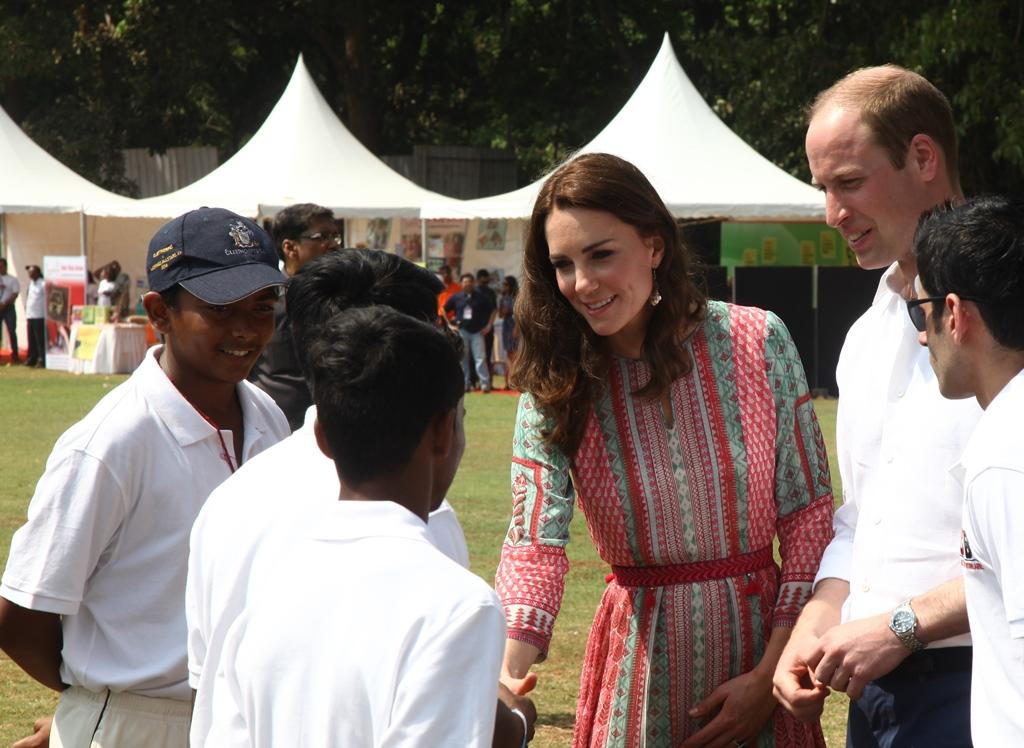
point(352, 520)
point(182, 419)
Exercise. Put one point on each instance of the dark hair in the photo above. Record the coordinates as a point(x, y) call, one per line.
point(483, 273)
point(172, 296)
point(896, 104)
point(349, 278)
point(291, 222)
point(467, 275)
point(976, 249)
point(513, 285)
point(3, 261)
point(379, 377)
point(561, 361)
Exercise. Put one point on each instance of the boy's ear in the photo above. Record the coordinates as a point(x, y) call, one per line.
point(442, 430)
point(321, 440)
point(158, 312)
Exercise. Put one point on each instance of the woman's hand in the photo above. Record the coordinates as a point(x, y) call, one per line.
point(740, 706)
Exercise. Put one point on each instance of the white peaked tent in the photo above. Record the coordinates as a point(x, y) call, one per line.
point(699, 166)
point(301, 153)
point(41, 202)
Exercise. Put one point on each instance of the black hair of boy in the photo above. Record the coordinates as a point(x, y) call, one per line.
point(379, 378)
point(976, 249)
point(349, 278)
point(292, 222)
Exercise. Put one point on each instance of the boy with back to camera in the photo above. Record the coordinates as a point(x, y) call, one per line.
point(92, 600)
point(390, 642)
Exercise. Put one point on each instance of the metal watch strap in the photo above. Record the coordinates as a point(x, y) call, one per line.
point(909, 637)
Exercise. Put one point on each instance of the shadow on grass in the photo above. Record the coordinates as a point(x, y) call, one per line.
point(561, 720)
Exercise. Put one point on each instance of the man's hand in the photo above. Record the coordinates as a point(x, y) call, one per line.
point(740, 706)
point(794, 684)
point(850, 655)
point(40, 737)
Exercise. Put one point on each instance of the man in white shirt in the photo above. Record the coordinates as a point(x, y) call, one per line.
point(363, 633)
point(35, 316)
point(881, 144)
point(91, 600)
point(970, 311)
point(247, 519)
point(9, 289)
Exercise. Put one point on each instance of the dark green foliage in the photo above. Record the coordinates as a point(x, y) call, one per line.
point(541, 78)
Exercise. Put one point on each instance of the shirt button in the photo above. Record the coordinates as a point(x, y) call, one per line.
point(889, 459)
point(878, 520)
point(899, 393)
point(865, 587)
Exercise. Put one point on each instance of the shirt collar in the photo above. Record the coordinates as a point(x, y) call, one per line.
point(178, 414)
point(351, 520)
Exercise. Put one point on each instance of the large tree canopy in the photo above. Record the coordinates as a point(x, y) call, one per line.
point(541, 78)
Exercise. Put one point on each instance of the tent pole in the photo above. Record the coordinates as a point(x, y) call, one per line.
point(423, 242)
point(81, 232)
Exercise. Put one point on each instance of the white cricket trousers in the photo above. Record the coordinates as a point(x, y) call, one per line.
point(87, 719)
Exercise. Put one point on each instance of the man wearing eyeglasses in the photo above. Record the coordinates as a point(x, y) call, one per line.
point(887, 621)
point(970, 311)
point(301, 233)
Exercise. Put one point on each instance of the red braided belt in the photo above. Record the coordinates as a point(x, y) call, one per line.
point(699, 571)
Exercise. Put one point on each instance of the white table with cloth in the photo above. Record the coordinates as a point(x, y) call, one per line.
point(107, 349)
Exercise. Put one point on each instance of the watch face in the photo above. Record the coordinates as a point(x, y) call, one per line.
point(903, 621)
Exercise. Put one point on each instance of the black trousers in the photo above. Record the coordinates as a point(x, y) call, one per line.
point(10, 320)
point(926, 701)
point(36, 341)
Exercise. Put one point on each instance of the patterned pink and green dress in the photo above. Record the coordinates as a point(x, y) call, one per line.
point(686, 516)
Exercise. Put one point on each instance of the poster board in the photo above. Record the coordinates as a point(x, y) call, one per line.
point(65, 281)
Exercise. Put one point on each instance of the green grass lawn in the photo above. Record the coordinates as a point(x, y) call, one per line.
point(39, 405)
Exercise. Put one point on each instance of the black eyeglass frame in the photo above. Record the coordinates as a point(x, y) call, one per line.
point(324, 237)
point(916, 313)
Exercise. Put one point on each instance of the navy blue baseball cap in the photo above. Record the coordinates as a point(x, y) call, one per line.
point(214, 254)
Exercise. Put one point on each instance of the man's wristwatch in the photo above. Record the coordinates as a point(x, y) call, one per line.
point(903, 623)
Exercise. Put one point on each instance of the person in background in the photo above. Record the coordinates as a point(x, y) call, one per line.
point(121, 293)
point(301, 233)
point(685, 428)
point(9, 289)
point(35, 315)
point(474, 314)
point(451, 287)
point(483, 284)
point(106, 287)
point(881, 145)
point(506, 313)
point(969, 311)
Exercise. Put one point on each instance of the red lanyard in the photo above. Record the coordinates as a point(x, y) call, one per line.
point(224, 453)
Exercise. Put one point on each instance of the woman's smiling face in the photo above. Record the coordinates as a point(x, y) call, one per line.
point(604, 268)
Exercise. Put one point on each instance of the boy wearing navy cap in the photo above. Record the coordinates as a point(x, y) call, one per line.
point(92, 600)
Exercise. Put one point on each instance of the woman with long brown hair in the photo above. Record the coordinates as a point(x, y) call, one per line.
point(684, 429)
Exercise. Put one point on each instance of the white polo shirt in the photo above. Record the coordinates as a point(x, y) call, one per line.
point(992, 557)
point(8, 288)
point(361, 634)
point(106, 541)
point(35, 301)
point(898, 530)
point(249, 518)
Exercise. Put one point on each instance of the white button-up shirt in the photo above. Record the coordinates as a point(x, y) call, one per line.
point(992, 556)
point(898, 531)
